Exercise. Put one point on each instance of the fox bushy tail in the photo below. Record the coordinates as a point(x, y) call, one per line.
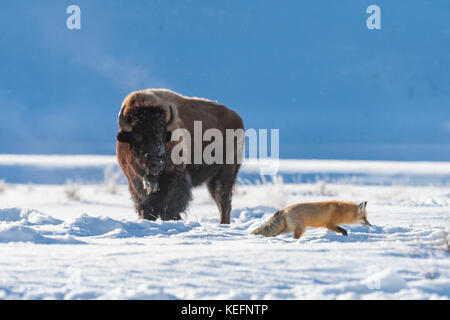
point(273, 227)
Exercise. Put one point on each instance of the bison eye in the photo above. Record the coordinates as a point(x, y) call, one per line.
point(123, 136)
point(168, 136)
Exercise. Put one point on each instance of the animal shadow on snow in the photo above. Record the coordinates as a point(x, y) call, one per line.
point(356, 233)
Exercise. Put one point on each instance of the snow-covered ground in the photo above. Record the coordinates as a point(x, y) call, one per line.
point(83, 240)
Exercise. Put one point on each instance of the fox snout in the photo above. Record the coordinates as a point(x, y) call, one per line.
point(366, 222)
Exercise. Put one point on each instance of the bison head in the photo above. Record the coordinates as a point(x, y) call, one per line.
point(145, 130)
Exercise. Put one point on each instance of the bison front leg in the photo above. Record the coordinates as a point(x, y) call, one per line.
point(142, 202)
point(221, 188)
point(168, 202)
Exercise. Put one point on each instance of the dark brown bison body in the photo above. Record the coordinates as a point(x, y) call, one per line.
point(159, 187)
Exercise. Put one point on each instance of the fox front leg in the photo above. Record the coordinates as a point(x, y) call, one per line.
point(338, 230)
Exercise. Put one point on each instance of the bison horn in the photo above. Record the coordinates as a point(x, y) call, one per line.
point(123, 123)
point(169, 116)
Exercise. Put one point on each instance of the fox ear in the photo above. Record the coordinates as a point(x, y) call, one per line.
point(362, 205)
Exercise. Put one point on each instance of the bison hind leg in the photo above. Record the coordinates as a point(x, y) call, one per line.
point(220, 187)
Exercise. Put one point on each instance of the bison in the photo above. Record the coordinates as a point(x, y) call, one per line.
point(161, 188)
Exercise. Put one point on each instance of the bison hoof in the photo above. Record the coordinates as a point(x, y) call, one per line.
point(150, 187)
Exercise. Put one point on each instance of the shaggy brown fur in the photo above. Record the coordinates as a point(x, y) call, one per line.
point(147, 120)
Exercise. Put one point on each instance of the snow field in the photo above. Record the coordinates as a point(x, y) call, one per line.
point(79, 241)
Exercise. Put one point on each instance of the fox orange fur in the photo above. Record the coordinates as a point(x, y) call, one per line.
point(328, 214)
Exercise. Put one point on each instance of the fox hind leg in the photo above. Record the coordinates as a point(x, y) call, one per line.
point(299, 231)
point(295, 225)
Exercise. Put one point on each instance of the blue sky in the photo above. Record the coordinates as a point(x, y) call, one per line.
point(310, 68)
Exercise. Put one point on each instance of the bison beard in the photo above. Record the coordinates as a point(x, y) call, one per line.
point(169, 201)
point(159, 188)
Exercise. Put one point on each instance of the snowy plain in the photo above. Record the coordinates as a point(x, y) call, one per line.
point(76, 235)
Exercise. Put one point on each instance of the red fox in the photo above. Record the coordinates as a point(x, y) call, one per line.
point(328, 214)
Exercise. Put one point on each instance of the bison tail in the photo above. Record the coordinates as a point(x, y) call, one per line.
point(275, 226)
